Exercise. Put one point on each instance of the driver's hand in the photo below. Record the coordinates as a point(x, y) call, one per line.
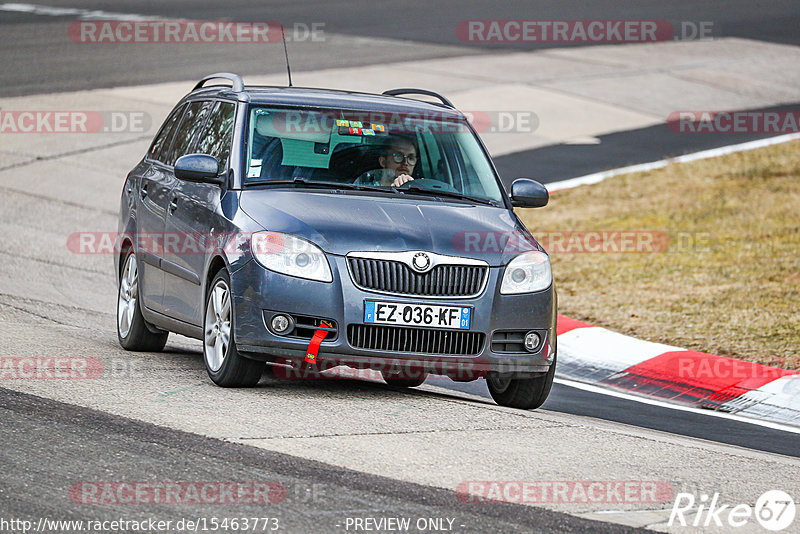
point(400, 180)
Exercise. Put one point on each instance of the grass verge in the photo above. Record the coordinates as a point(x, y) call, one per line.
point(715, 260)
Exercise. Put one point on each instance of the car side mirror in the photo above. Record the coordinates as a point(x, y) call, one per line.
point(198, 168)
point(527, 193)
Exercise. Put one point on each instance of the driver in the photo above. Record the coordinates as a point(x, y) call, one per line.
point(397, 164)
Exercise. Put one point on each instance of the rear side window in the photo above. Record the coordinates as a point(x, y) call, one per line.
point(192, 121)
point(216, 137)
point(164, 135)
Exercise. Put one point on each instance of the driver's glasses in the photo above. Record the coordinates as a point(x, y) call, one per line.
point(398, 157)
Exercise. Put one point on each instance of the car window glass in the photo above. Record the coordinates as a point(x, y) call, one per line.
point(435, 158)
point(476, 165)
point(162, 139)
point(190, 125)
point(361, 148)
point(170, 137)
point(216, 137)
point(468, 176)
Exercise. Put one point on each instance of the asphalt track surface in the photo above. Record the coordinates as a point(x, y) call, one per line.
point(567, 399)
point(553, 163)
point(35, 58)
point(317, 498)
point(34, 61)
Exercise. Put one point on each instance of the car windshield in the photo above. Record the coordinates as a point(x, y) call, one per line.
point(370, 150)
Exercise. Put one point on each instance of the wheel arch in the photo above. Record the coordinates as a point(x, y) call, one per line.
point(125, 245)
point(217, 263)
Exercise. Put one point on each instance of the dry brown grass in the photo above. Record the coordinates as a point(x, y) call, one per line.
point(738, 295)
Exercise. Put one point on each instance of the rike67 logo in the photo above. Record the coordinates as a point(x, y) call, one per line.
point(774, 510)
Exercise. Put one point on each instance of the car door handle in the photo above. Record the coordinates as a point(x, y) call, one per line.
point(173, 205)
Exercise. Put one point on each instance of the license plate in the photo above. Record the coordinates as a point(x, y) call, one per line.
point(397, 313)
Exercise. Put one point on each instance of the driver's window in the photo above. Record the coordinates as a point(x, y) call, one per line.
point(470, 179)
point(190, 125)
point(162, 141)
point(435, 162)
point(425, 158)
point(216, 137)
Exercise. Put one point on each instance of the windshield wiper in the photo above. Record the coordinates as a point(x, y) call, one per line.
point(449, 194)
point(302, 182)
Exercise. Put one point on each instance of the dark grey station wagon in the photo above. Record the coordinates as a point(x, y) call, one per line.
point(301, 229)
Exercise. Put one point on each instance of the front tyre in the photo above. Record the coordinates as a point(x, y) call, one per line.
point(226, 367)
point(524, 393)
point(132, 330)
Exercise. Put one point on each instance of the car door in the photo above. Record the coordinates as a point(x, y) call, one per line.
point(195, 214)
point(175, 240)
point(154, 184)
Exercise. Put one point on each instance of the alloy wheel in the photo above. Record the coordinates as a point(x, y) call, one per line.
point(128, 293)
point(217, 325)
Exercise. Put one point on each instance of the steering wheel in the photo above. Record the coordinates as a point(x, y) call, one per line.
point(428, 183)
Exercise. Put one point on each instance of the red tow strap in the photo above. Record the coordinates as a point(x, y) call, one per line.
point(316, 340)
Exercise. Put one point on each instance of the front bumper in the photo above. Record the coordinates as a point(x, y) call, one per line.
point(256, 290)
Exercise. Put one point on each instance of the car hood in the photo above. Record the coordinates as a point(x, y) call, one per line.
point(345, 222)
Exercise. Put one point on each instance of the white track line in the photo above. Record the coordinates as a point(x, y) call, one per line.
point(705, 154)
point(83, 14)
point(663, 404)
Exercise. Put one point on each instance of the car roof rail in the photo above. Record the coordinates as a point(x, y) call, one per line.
point(410, 91)
point(236, 80)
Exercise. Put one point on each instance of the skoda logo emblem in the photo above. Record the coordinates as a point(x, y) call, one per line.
point(420, 261)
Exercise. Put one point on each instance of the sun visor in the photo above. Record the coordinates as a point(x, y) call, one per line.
point(295, 125)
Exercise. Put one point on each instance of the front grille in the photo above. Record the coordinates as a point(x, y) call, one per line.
point(415, 340)
point(397, 277)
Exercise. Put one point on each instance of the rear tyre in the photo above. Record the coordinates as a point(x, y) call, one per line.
point(226, 367)
point(397, 380)
point(523, 393)
point(132, 330)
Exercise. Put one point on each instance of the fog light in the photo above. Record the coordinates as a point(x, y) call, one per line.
point(532, 341)
point(280, 324)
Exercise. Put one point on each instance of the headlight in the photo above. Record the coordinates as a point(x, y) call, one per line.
point(287, 254)
point(528, 272)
